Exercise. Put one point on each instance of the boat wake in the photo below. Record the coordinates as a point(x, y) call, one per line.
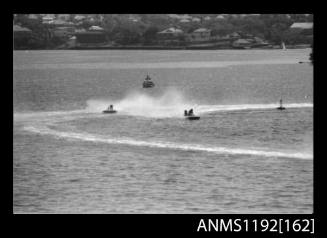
point(171, 103)
point(215, 108)
point(167, 105)
point(164, 144)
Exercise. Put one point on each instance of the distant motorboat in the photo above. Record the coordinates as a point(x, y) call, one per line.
point(193, 117)
point(110, 109)
point(190, 116)
point(147, 82)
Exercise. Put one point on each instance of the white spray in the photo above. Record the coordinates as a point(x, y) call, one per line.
point(171, 103)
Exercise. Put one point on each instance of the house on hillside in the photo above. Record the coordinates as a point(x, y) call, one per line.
point(259, 42)
point(48, 15)
point(21, 36)
point(184, 21)
point(58, 23)
point(199, 35)
point(242, 43)
point(71, 42)
point(63, 31)
point(79, 18)
point(302, 25)
point(96, 28)
point(180, 17)
point(33, 16)
point(90, 19)
point(234, 35)
point(196, 19)
point(90, 38)
point(170, 35)
point(173, 16)
point(303, 32)
point(220, 16)
point(63, 17)
point(134, 18)
point(21, 31)
point(47, 19)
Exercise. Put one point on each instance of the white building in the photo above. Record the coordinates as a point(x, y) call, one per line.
point(199, 35)
point(171, 34)
point(302, 25)
point(196, 19)
point(220, 17)
point(32, 16)
point(184, 21)
point(79, 18)
point(96, 28)
point(63, 17)
point(47, 19)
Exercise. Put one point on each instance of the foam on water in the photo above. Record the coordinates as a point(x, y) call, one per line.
point(166, 145)
point(215, 108)
point(170, 104)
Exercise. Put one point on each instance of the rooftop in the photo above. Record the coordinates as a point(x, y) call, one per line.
point(95, 28)
point(17, 28)
point(171, 30)
point(177, 16)
point(242, 41)
point(302, 25)
point(79, 17)
point(202, 30)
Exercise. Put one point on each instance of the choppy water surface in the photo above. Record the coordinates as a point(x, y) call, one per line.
point(242, 156)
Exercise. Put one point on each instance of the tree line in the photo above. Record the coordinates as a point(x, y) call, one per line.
point(119, 28)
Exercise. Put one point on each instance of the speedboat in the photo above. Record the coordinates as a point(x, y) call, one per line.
point(192, 117)
point(109, 111)
point(147, 82)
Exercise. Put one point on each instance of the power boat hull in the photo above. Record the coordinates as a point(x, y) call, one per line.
point(148, 84)
point(109, 111)
point(192, 117)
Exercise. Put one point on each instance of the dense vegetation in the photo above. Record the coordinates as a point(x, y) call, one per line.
point(121, 29)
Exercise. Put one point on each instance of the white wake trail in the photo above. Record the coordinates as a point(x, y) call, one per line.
point(165, 145)
point(214, 108)
point(168, 105)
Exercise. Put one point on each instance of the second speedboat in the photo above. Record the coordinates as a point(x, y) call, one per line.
point(110, 109)
point(190, 116)
point(148, 83)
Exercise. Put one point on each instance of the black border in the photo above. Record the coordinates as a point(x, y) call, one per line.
point(157, 224)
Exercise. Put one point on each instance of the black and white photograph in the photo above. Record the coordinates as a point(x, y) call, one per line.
point(163, 113)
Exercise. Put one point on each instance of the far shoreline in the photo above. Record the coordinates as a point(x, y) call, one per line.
point(166, 48)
